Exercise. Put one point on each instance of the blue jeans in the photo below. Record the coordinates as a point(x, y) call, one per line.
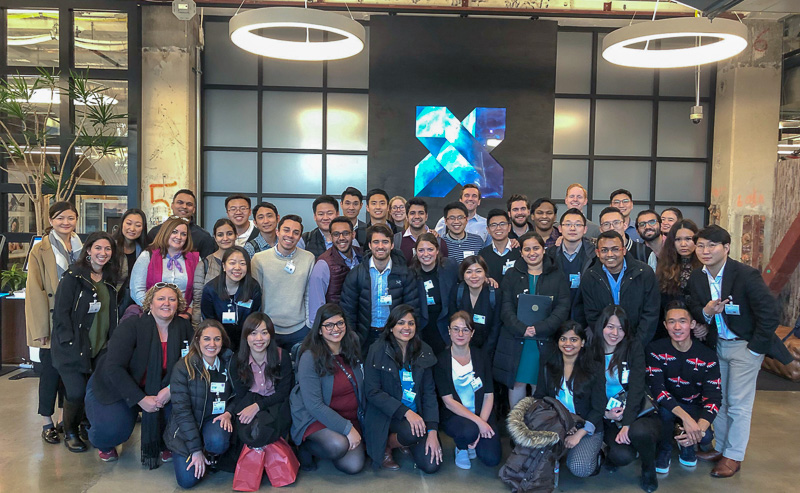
point(668, 424)
point(215, 441)
point(287, 341)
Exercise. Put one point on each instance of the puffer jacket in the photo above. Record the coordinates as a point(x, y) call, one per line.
point(537, 428)
point(189, 397)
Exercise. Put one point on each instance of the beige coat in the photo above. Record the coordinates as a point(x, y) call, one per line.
point(40, 293)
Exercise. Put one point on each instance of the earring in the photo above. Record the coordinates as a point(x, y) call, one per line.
point(88, 258)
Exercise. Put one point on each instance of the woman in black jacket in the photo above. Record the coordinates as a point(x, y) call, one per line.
point(624, 431)
point(262, 380)
point(199, 429)
point(522, 349)
point(574, 378)
point(134, 375)
point(401, 396)
point(463, 378)
point(84, 318)
point(481, 301)
point(436, 277)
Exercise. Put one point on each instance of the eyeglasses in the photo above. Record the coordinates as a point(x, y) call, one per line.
point(398, 208)
point(343, 234)
point(241, 208)
point(651, 222)
point(456, 218)
point(160, 285)
point(330, 325)
point(572, 225)
point(461, 330)
point(497, 225)
point(605, 251)
point(621, 202)
point(609, 224)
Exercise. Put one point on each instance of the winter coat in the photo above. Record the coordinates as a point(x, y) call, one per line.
point(538, 428)
point(40, 292)
point(315, 242)
point(447, 272)
point(512, 333)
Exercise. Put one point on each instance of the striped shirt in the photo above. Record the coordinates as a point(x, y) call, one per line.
point(458, 250)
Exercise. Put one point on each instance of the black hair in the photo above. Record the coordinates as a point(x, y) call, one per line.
point(291, 217)
point(622, 350)
point(574, 212)
point(57, 209)
point(609, 210)
point(271, 372)
point(377, 191)
point(268, 205)
point(541, 201)
point(414, 347)
point(350, 349)
point(585, 366)
point(497, 212)
point(111, 268)
point(325, 199)
point(184, 191)
point(531, 235)
point(416, 265)
point(416, 201)
point(675, 211)
point(119, 238)
point(455, 205)
point(341, 220)
point(469, 262)
point(516, 198)
point(381, 229)
point(714, 233)
point(248, 283)
point(610, 235)
point(677, 305)
point(223, 221)
point(620, 191)
point(237, 196)
point(354, 192)
point(648, 211)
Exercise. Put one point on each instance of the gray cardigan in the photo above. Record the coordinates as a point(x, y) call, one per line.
point(311, 396)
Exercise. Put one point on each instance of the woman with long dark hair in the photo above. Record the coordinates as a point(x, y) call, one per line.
point(329, 400)
point(436, 278)
point(573, 376)
point(199, 429)
point(233, 295)
point(481, 301)
point(47, 262)
point(624, 431)
point(131, 239)
point(402, 410)
point(84, 318)
point(262, 380)
point(211, 266)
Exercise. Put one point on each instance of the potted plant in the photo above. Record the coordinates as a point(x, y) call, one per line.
point(13, 278)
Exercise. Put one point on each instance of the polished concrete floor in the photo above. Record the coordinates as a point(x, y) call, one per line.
point(27, 464)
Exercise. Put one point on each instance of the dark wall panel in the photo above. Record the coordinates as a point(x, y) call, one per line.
point(461, 63)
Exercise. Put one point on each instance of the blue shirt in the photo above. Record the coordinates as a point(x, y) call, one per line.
point(631, 231)
point(715, 285)
point(408, 386)
point(571, 256)
point(476, 225)
point(616, 284)
point(379, 286)
point(565, 397)
point(613, 385)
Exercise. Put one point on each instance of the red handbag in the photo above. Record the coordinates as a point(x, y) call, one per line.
point(280, 463)
point(249, 469)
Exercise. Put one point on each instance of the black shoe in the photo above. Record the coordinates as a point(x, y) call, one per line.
point(649, 481)
point(83, 432)
point(50, 435)
point(306, 459)
point(601, 458)
point(213, 462)
point(60, 427)
point(74, 443)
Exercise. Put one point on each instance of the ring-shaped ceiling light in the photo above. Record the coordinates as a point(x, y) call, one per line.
point(731, 39)
point(243, 25)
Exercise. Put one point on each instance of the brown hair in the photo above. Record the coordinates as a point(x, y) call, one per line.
point(161, 241)
point(668, 270)
point(194, 347)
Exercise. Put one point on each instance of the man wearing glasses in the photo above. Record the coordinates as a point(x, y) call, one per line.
point(502, 252)
point(332, 267)
point(184, 205)
point(575, 253)
point(460, 243)
point(611, 219)
point(623, 200)
point(238, 209)
point(475, 223)
point(648, 225)
point(406, 241)
point(620, 279)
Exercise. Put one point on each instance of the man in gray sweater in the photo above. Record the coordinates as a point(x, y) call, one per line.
point(283, 274)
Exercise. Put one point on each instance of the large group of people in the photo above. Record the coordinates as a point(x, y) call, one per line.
point(357, 340)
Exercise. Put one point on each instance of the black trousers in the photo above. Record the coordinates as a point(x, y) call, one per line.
point(50, 385)
point(644, 434)
point(415, 443)
point(464, 432)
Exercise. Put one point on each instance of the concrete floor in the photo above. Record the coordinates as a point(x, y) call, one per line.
point(27, 464)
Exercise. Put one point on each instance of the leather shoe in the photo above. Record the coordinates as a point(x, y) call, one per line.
point(726, 468)
point(710, 456)
point(50, 435)
point(74, 443)
point(83, 431)
point(388, 461)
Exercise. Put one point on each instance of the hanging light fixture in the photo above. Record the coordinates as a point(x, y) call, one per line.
point(714, 41)
point(351, 34)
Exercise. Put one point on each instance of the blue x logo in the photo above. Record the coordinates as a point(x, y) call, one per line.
point(459, 151)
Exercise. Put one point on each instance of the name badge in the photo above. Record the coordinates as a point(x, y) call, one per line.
point(623, 378)
point(385, 299)
point(509, 264)
point(409, 396)
point(612, 403)
point(729, 309)
point(94, 307)
point(574, 281)
point(218, 407)
point(245, 304)
point(468, 253)
point(217, 387)
point(430, 300)
point(185, 349)
point(413, 252)
point(406, 376)
point(479, 319)
point(289, 267)
point(428, 284)
point(476, 384)
point(229, 317)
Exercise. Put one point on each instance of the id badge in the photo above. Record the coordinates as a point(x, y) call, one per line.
point(185, 349)
point(468, 253)
point(245, 304)
point(729, 309)
point(289, 267)
point(509, 264)
point(229, 317)
point(217, 387)
point(94, 307)
point(623, 379)
point(612, 403)
point(409, 396)
point(386, 299)
point(218, 407)
point(428, 284)
point(476, 384)
point(406, 376)
point(430, 300)
point(479, 319)
point(574, 281)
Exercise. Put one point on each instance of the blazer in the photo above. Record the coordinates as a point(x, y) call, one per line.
point(447, 272)
point(636, 386)
point(40, 293)
point(759, 314)
point(443, 376)
point(590, 402)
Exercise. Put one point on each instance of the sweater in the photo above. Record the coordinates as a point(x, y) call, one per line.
point(285, 295)
point(458, 250)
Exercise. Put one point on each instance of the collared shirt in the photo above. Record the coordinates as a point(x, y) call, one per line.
point(408, 232)
point(379, 287)
point(257, 244)
point(631, 231)
point(280, 255)
point(715, 284)
point(476, 225)
point(571, 256)
point(215, 366)
point(616, 284)
point(551, 240)
point(505, 251)
point(319, 281)
point(261, 385)
point(242, 239)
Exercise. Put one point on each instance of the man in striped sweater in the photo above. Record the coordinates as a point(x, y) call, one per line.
point(460, 244)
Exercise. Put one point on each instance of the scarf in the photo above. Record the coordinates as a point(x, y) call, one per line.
point(172, 262)
point(153, 424)
point(64, 258)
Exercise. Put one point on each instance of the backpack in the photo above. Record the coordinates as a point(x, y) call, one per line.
point(460, 295)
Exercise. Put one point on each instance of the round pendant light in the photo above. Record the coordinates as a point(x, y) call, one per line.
point(242, 29)
point(720, 39)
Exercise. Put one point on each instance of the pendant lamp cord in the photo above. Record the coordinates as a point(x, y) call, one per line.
point(655, 11)
point(240, 8)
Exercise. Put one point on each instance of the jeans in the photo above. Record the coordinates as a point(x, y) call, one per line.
point(287, 341)
point(215, 441)
point(668, 425)
point(464, 432)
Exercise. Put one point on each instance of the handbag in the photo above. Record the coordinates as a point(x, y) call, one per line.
point(249, 469)
point(280, 463)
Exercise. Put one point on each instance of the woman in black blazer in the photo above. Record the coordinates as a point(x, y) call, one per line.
point(575, 378)
point(481, 301)
point(436, 277)
point(463, 378)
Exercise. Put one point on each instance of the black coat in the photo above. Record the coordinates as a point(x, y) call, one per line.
point(283, 387)
point(189, 398)
point(448, 278)
point(759, 314)
point(315, 242)
point(385, 392)
point(639, 296)
point(443, 376)
point(121, 370)
point(356, 293)
point(70, 348)
point(512, 333)
point(590, 400)
point(636, 386)
point(488, 306)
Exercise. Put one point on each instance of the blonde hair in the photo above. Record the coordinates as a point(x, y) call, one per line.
point(151, 293)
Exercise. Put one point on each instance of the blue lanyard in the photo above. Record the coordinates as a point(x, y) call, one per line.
point(615, 284)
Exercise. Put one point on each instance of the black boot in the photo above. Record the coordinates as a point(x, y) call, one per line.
point(72, 417)
point(649, 481)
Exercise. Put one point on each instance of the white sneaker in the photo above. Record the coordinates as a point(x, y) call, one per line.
point(472, 453)
point(462, 459)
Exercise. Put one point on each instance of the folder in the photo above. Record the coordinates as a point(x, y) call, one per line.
point(533, 308)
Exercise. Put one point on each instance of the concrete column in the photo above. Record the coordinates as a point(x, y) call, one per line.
point(746, 118)
point(169, 108)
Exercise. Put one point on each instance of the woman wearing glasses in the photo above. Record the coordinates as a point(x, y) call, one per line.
point(463, 378)
point(211, 266)
point(397, 213)
point(328, 401)
point(168, 259)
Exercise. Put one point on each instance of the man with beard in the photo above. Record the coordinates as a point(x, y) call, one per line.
point(648, 225)
point(238, 209)
point(544, 220)
point(623, 200)
point(475, 223)
point(332, 267)
point(576, 198)
point(519, 211)
point(611, 219)
point(319, 240)
point(376, 285)
point(351, 202)
point(184, 204)
point(406, 241)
